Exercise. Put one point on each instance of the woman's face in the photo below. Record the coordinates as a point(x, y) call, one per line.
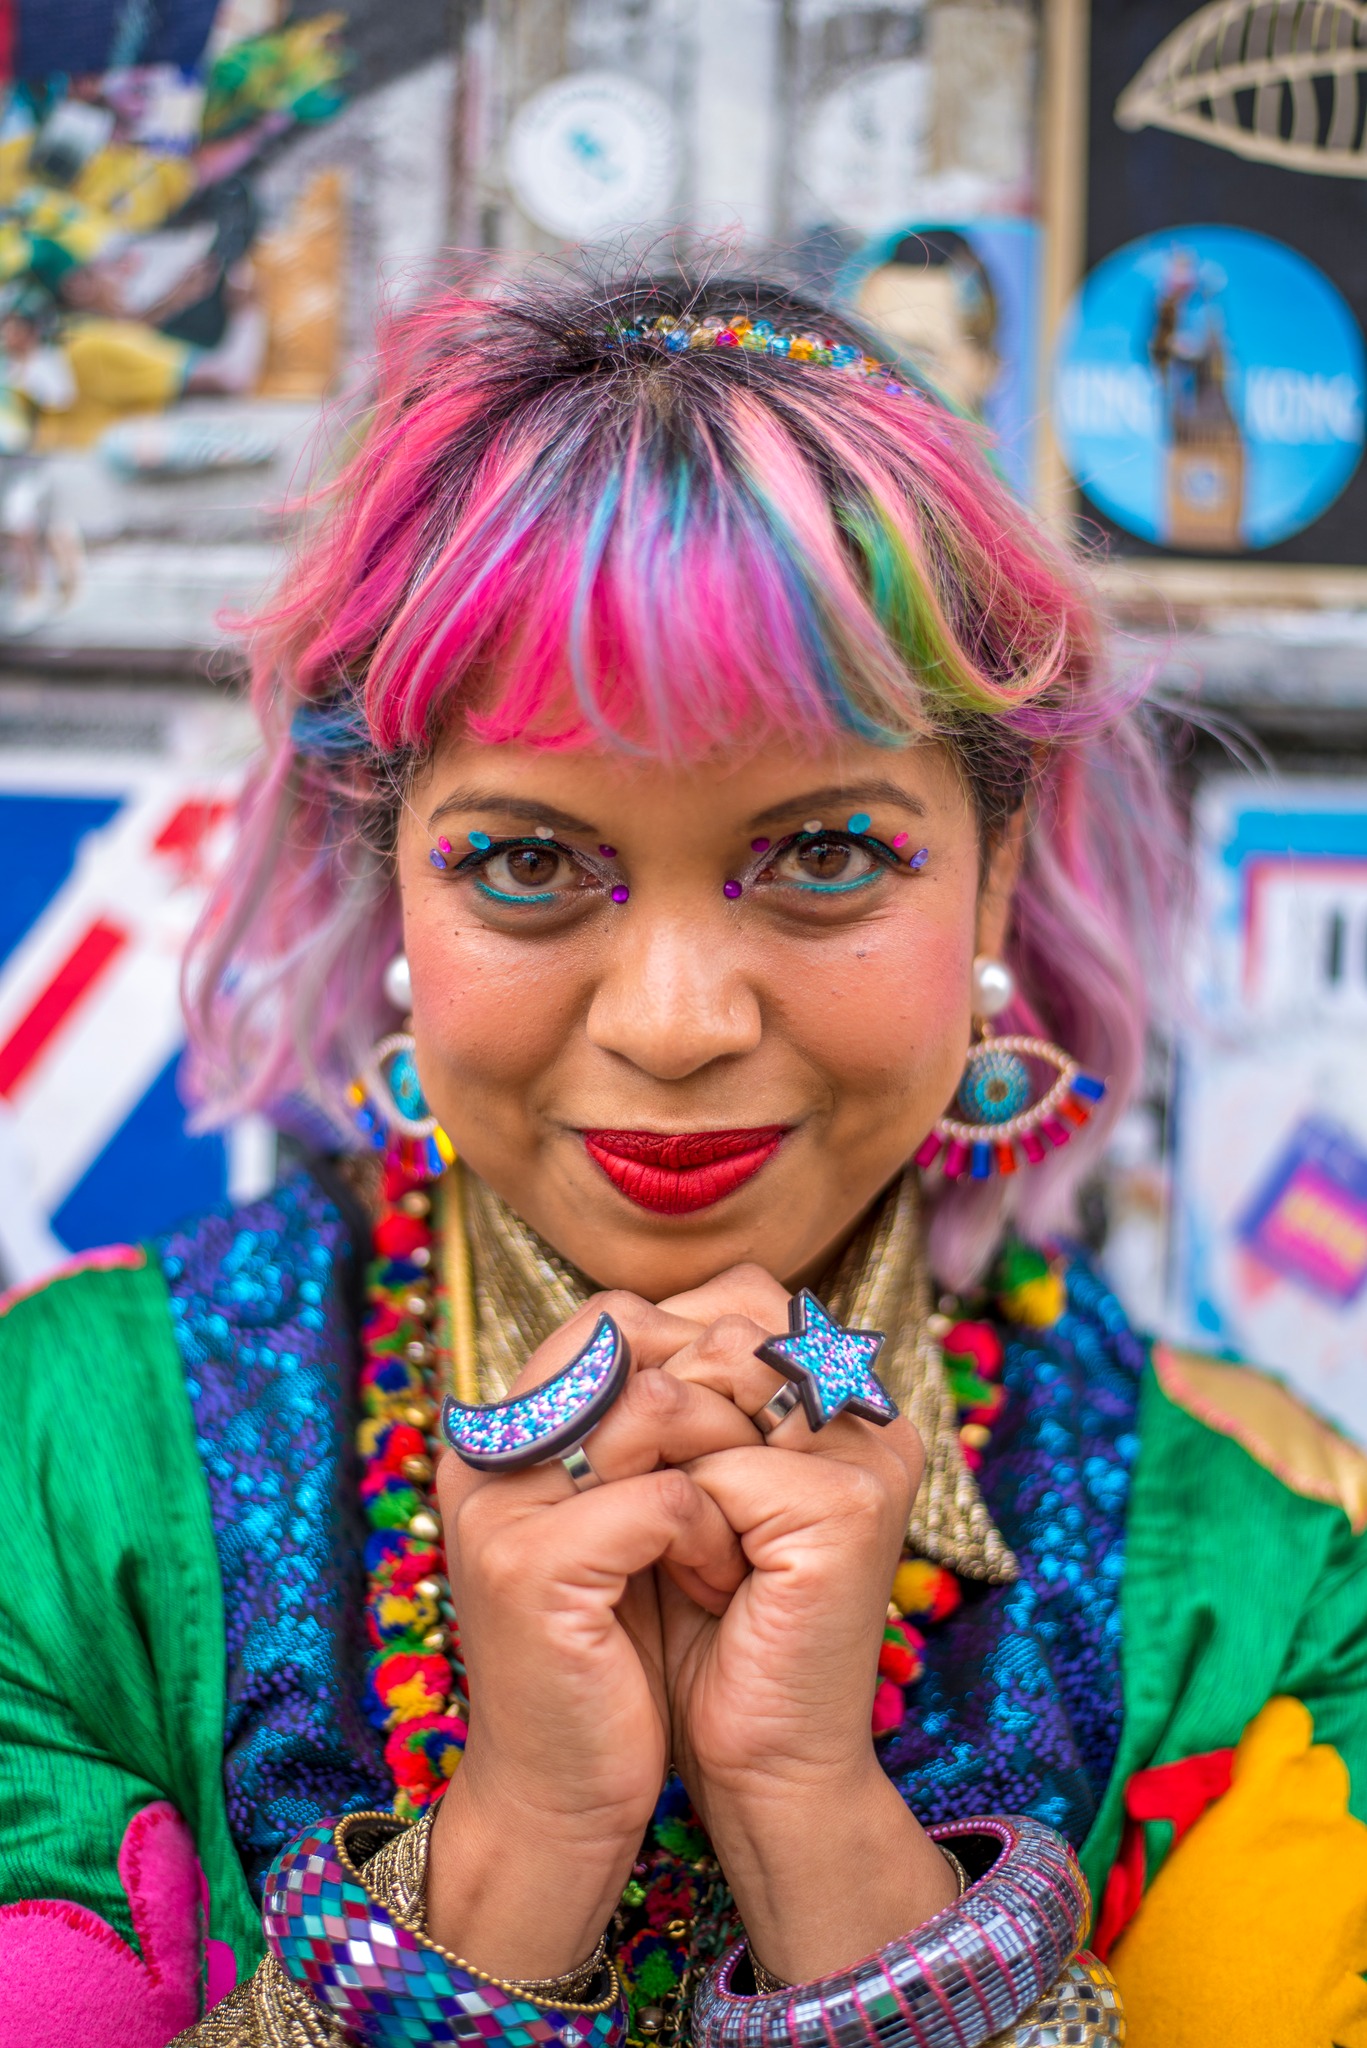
point(670, 1084)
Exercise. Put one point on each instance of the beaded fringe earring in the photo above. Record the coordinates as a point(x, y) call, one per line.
point(997, 1114)
point(390, 1107)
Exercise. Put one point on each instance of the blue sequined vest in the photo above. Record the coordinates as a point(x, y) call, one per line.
point(1020, 1705)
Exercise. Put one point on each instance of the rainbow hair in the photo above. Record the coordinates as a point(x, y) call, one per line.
point(572, 541)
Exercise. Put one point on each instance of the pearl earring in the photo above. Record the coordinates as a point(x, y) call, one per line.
point(993, 986)
point(398, 983)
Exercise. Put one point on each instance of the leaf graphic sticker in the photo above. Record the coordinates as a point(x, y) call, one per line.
point(1278, 81)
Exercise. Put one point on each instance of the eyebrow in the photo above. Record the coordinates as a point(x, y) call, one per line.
point(527, 809)
point(842, 793)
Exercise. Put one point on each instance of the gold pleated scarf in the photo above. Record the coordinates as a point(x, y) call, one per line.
point(508, 1291)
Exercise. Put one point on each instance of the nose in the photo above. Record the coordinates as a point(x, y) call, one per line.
point(674, 999)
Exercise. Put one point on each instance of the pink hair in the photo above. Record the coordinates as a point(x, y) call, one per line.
point(567, 535)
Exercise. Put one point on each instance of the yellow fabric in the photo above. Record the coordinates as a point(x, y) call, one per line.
point(1271, 1425)
point(300, 268)
point(136, 189)
point(120, 367)
point(1254, 1932)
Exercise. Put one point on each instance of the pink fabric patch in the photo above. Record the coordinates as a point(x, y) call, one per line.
point(67, 1979)
point(108, 1258)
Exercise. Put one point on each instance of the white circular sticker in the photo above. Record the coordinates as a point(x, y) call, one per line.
point(867, 145)
point(592, 152)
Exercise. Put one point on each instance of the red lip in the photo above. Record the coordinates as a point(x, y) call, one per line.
point(676, 1172)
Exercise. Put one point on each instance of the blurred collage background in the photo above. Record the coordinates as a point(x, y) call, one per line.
point(1130, 236)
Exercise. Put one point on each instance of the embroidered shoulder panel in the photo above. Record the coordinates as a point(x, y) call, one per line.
point(1266, 1420)
point(1020, 1707)
point(266, 1333)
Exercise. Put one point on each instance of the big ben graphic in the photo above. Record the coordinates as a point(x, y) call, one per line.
point(1203, 498)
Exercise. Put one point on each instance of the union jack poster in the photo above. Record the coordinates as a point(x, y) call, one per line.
point(107, 850)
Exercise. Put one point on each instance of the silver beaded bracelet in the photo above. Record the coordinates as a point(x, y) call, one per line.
point(972, 1971)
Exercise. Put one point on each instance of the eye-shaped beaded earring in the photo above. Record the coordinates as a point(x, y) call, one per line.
point(994, 1094)
point(387, 1099)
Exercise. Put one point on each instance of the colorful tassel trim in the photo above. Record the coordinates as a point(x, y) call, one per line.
point(967, 1152)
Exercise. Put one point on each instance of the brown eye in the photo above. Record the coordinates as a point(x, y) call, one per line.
point(824, 860)
point(531, 867)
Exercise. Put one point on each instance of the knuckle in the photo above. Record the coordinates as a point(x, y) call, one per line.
point(726, 1337)
point(501, 1563)
point(677, 1494)
point(654, 1396)
point(752, 1277)
point(865, 1494)
point(755, 1289)
point(626, 1309)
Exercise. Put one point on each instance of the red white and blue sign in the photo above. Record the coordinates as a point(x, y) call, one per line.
point(106, 867)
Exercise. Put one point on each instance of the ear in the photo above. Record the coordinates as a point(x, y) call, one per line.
point(999, 887)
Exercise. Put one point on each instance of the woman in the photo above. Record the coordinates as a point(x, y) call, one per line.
point(676, 717)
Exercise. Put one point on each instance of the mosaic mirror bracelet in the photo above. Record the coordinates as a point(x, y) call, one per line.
point(956, 1982)
point(386, 1982)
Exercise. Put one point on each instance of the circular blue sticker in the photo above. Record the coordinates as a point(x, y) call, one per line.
point(1208, 390)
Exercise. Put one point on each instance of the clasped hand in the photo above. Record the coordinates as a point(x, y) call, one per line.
point(716, 1607)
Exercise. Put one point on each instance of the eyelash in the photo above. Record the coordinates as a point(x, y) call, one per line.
point(885, 857)
point(474, 865)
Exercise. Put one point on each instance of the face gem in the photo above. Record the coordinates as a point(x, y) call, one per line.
point(437, 859)
point(608, 852)
point(812, 825)
point(534, 1426)
point(620, 893)
point(900, 840)
point(760, 845)
point(858, 821)
point(919, 859)
point(481, 840)
point(831, 1367)
point(731, 889)
point(544, 832)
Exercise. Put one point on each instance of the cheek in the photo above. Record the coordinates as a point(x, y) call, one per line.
point(892, 1020)
point(486, 1010)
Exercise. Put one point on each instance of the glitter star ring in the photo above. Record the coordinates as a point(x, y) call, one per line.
point(829, 1369)
point(552, 1420)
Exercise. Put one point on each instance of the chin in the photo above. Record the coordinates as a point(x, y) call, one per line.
point(657, 1256)
point(617, 1243)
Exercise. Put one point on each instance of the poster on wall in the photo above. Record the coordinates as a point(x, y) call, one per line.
point(1208, 391)
point(108, 848)
point(961, 301)
point(1270, 1169)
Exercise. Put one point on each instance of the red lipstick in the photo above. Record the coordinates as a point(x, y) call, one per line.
point(676, 1172)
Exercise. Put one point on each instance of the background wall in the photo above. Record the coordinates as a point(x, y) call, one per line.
point(200, 213)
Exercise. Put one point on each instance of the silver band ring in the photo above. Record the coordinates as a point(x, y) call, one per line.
point(778, 1408)
point(576, 1463)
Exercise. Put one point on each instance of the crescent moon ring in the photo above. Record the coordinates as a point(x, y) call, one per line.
point(531, 1428)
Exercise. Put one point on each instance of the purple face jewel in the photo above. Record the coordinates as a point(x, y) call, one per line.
point(533, 1427)
point(620, 893)
point(731, 889)
point(918, 860)
point(608, 852)
point(438, 860)
point(760, 845)
point(831, 1367)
